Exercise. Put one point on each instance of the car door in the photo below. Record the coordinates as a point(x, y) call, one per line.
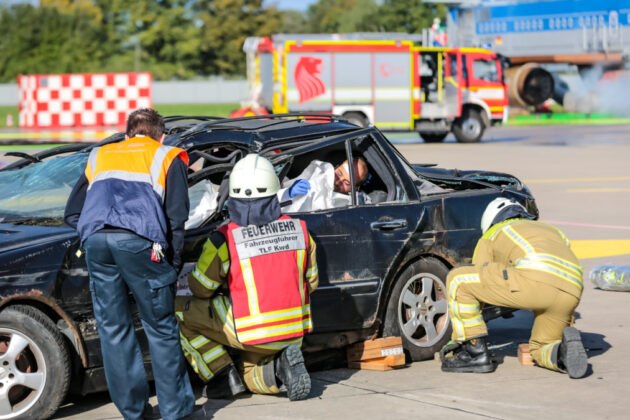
point(356, 246)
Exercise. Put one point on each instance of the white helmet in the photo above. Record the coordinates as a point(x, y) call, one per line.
point(253, 177)
point(499, 205)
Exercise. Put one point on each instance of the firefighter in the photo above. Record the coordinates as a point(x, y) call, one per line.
point(251, 290)
point(518, 263)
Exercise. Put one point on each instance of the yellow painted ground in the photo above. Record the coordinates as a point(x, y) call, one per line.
point(598, 248)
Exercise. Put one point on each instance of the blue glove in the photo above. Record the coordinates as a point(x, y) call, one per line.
point(299, 187)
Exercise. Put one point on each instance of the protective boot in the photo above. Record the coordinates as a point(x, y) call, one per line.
point(291, 372)
point(470, 356)
point(571, 354)
point(226, 384)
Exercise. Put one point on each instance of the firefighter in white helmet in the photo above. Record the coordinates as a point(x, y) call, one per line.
point(518, 263)
point(251, 290)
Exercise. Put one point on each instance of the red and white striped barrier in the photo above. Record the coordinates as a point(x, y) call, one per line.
point(81, 100)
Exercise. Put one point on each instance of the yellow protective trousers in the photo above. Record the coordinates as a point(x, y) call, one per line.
point(207, 326)
point(507, 286)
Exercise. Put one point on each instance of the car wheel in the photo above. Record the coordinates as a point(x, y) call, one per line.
point(469, 127)
point(34, 364)
point(433, 137)
point(356, 118)
point(417, 309)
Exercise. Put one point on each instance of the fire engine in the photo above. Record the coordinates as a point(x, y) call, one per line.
point(387, 80)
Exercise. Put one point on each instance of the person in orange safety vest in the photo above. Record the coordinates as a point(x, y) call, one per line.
point(251, 290)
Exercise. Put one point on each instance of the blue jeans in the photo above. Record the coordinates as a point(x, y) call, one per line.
point(119, 263)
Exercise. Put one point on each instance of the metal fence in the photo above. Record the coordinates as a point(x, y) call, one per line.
point(214, 91)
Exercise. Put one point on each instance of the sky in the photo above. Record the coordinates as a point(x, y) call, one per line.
point(300, 5)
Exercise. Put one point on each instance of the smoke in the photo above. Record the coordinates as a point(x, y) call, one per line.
point(600, 91)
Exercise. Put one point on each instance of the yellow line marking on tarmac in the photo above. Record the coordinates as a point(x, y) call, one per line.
point(595, 190)
point(597, 248)
point(552, 180)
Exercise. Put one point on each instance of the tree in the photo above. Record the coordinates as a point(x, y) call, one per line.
point(410, 16)
point(224, 26)
point(45, 40)
point(339, 16)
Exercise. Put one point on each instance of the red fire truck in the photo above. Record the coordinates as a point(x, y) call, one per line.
point(392, 83)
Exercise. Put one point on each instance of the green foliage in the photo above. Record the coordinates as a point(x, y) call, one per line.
point(176, 39)
point(410, 16)
point(338, 16)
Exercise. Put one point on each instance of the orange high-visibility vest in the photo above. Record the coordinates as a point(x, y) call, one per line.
point(267, 283)
point(127, 182)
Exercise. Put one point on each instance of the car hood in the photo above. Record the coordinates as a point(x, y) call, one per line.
point(27, 236)
point(498, 179)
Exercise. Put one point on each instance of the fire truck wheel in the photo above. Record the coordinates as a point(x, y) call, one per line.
point(433, 137)
point(469, 127)
point(356, 118)
point(34, 364)
point(417, 309)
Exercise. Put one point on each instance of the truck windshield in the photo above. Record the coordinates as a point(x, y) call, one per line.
point(39, 190)
point(485, 70)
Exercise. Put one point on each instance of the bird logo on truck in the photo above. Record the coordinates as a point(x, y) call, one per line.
point(306, 80)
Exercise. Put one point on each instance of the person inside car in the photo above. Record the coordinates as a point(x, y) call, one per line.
point(321, 186)
point(251, 290)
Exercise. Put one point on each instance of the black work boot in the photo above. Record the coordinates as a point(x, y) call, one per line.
point(571, 354)
point(292, 373)
point(471, 356)
point(226, 383)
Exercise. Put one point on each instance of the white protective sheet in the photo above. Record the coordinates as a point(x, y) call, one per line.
point(321, 176)
point(203, 202)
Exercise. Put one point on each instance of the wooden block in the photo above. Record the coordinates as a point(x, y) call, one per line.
point(524, 357)
point(382, 363)
point(372, 349)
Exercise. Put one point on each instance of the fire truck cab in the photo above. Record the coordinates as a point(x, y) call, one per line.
point(391, 83)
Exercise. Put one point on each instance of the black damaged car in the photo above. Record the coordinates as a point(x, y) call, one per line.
point(382, 261)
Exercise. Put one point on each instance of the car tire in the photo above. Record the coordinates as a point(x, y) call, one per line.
point(469, 127)
point(32, 351)
point(433, 137)
point(417, 309)
point(356, 118)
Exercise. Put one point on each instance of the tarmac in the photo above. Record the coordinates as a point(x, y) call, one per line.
point(581, 180)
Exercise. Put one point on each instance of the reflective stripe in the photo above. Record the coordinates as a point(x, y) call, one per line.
point(250, 285)
point(196, 361)
point(199, 341)
point(467, 308)
point(546, 353)
point(223, 311)
point(533, 265)
point(458, 324)
point(301, 255)
point(274, 316)
point(92, 164)
point(312, 272)
point(122, 175)
point(214, 354)
point(158, 161)
point(180, 315)
point(576, 269)
point(268, 332)
point(205, 281)
point(472, 322)
point(226, 266)
point(518, 240)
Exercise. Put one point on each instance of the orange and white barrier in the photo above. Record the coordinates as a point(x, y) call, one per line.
point(81, 100)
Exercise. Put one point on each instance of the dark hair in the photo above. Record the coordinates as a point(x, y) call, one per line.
point(145, 121)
